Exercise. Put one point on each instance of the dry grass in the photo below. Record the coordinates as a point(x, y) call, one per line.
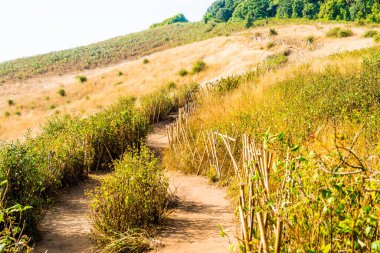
point(224, 56)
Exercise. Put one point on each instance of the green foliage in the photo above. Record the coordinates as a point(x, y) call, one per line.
point(370, 34)
point(12, 225)
point(198, 67)
point(273, 32)
point(183, 72)
point(145, 61)
point(82, 79)
point(179, 18)
point(270, 44)
point(11, 102)
point(134, 196)
point(252, 10)
point(61, 92)
point(221, 10)
point(310, 39)
point(157, 105)
point(377, 38)
point(338, 32)
point(275, 61)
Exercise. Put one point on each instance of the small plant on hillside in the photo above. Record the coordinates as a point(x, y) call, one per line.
point(310, 39)
point(11, 102)
point(82, 79)
point(270, 44)
point(7, 114)
point(61, 92)
point(198, 67)
point(377, 38)
point(171, 85)
point(183, 72)
point(145, 61)
point(338, 32)
point(275, 61)
point(119, 73)
point(370, 34)
point(18, 113)
point(273, 32)
point(52, 107)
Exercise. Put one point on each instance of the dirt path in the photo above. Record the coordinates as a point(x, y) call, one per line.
point(193, 226)
point(65, 228)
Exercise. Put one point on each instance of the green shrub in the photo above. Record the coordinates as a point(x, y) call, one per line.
point(119, 73)
point(310, 39)
point(338, 32)
point(11, 102)
point(198, 67)
point(171, 86)
point(179, 18)
point(377, 38)
point(7, 114)
point(270, 44)
point(370, 34)
point(145, 61)
point(133, 197)
point(273, 32)
point(61, 92)
point(18, 113)
point(82, 79)
point(183, 72)
point(157, 105)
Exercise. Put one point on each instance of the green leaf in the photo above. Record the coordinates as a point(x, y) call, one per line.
point(376, 246)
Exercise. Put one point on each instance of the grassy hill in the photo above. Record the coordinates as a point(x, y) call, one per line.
point(113, 51)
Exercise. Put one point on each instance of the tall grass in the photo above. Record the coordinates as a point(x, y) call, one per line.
point(133, 197)
point(324, 178)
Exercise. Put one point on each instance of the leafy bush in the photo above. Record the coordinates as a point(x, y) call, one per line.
point(275, 61)
point(377, 38)
point(82, 79)
point(145, 61)
point(198, 67)
point(310, 39)
point(11, 102)
point(270, 44)
point(370, 34)
point(157, 105)
point(133, 197)
point(179, 18)
point(183, 72)
point(338, 32)
point(62, 92)
point(272, 32)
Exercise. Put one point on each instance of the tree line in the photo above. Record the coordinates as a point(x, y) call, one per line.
point(251, 10)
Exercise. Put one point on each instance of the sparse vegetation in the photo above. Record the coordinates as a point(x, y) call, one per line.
point(7, 114)
point(61, 92)
point(370, 34)
point(270, 44)
point(198, 67)
point(145, 61)
point(183, 72)
point(11, 102)
point(310, 39)
point(132, 46)
point(338, 32)
point(273, 32)
point(82, 79)
point(18, 113)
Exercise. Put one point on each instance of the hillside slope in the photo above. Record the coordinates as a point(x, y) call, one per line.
point(36, 99)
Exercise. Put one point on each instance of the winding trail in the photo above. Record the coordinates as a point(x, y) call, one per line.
point(191, 227)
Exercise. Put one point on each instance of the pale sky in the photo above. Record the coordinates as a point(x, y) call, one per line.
point(29, 27)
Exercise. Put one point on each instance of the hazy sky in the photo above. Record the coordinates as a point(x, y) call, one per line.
point(29, 27)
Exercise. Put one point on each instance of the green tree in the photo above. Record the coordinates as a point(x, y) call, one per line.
point(335, 10)
point(179, 18)
point(221, 10)
point(251, 9)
